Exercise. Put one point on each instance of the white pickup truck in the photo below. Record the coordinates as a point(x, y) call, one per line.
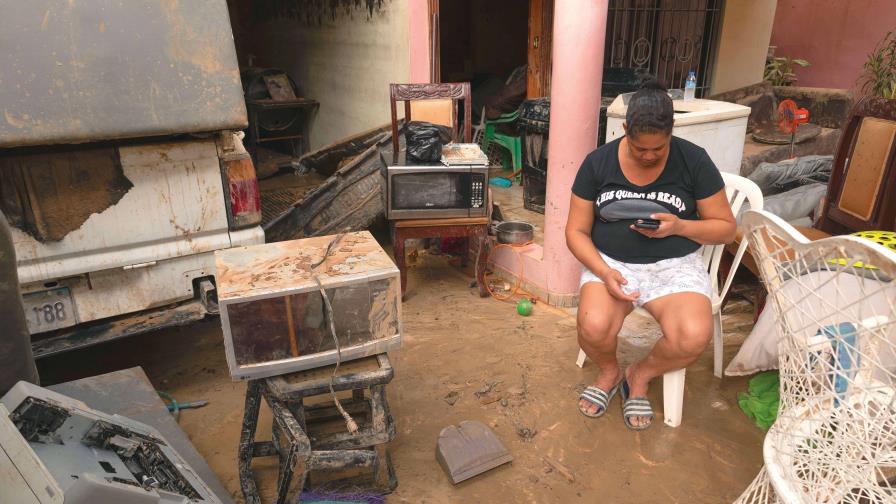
point(121, 165)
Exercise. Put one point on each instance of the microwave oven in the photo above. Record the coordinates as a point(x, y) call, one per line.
point(438, 191)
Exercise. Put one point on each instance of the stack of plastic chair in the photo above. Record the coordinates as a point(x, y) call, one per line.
point(835, 304)
point(513, 144)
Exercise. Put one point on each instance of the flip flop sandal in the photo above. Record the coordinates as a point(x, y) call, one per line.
point(599, 398)
point(635, 407)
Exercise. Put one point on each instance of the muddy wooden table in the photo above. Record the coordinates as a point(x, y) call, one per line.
point(470, 227)
point(310, 435)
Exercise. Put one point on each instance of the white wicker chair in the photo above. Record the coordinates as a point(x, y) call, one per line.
point(739, 190)
point(835, 301)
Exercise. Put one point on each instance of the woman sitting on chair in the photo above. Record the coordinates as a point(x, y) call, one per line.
point(642, 206)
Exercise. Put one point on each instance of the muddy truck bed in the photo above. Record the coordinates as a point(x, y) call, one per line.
point(342, 189)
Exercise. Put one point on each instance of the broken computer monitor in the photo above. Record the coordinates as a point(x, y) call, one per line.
point(63, 451)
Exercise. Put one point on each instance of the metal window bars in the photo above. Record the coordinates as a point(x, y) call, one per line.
point(668, 38)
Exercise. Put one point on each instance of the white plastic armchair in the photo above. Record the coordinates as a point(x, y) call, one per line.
point(834, 299)
point(479, 129)
point(739, 190)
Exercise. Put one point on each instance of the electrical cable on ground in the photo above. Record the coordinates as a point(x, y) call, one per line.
point(520, 278)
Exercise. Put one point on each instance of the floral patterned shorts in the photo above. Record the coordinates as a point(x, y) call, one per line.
point(655, 280)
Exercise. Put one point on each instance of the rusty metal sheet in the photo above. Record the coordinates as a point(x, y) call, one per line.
point(77, 337)
point(351, 199)
point(57, 191)
point(179, 181)
point(88, 70)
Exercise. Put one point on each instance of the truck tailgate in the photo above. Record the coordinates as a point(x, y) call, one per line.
point(92, 70)
point(175, 207)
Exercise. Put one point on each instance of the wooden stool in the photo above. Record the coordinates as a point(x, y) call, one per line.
point(302, 435)
point(472, 227)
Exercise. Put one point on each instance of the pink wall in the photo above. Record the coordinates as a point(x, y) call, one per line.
point(835, 36)
point(418, 33)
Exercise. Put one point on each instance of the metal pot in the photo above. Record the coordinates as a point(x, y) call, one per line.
point(515, 232)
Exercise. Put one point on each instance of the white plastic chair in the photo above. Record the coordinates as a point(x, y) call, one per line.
point(479, 129)
point(738, 189)
point(834, 439)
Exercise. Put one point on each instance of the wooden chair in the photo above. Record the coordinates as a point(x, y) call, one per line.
point(403, 230)
point(456, 91)
point(861, 193)
point(862, 190)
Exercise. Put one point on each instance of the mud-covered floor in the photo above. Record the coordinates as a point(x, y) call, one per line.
point(454, 344)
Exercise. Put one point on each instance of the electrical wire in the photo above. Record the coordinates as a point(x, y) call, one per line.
point(520, 277)
point(330, 246)
point(350, 423)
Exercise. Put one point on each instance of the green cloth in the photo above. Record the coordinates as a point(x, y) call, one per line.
point(760, 403)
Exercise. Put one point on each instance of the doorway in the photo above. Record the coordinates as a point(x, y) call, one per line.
point(487, 43)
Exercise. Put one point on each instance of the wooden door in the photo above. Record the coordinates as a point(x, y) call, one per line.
point(541, 27)
point(435, 48)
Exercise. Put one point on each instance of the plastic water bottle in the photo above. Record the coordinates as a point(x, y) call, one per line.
point(690, 86)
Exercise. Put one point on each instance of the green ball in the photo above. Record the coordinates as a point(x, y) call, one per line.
point(524, 307)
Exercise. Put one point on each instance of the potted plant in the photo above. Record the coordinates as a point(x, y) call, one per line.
point(779, 71)
point(878, 76)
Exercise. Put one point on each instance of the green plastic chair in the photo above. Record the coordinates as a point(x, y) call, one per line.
point(513, 144)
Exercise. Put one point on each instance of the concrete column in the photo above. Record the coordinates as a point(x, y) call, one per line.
point(577, 69)
point(746, 29)
point(418, 44)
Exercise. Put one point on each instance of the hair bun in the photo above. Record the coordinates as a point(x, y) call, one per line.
point(649, 110)
point(654, 84)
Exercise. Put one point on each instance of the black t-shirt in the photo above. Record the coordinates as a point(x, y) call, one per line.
point(689, 175)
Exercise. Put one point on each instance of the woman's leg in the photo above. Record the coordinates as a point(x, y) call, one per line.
point(600, 318)
point(686, 322)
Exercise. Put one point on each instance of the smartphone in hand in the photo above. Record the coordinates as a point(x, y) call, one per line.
point(647, 223)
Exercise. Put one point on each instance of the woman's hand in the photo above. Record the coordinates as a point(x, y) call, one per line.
point(614, 281)
point(715, 226)
point(669, 225)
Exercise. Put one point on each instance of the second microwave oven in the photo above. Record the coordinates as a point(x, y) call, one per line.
point(422, 192)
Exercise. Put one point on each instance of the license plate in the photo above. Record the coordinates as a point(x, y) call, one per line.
point(49, 310)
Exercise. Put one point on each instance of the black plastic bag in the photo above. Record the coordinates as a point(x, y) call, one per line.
point(424, 141)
